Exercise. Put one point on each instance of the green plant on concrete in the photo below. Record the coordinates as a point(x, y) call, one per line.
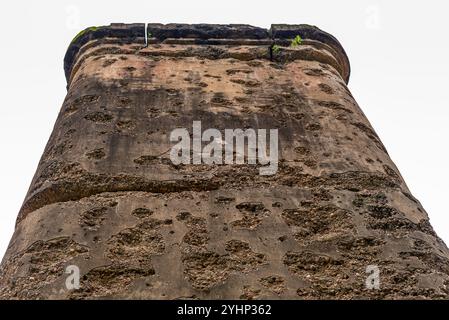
point(82, 32)
point(275, 48)
point(296, 41)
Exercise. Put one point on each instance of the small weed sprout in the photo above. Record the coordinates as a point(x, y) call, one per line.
point(275, 48)
point(296, 41)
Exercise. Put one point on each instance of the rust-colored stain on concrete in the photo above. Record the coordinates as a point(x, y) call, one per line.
point(107, 198)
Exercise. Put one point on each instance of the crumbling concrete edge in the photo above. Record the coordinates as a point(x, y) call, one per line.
point(204, 34)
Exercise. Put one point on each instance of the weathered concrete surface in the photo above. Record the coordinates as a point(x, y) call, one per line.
point(107, 198)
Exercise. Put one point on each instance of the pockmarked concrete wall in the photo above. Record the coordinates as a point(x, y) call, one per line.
point(335, 221)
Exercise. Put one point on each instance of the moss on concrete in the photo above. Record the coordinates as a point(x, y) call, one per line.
point(83, 32)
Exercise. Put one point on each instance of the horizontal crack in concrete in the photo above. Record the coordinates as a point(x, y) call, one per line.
point(91, 184)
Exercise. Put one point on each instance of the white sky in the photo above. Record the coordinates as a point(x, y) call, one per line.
point(398, 51)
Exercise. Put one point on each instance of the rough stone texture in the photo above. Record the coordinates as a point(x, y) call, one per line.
point(107, 198)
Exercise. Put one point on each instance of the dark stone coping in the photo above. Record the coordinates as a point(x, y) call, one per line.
point(204, 34)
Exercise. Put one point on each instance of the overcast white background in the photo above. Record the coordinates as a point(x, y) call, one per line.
point(399, 52)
